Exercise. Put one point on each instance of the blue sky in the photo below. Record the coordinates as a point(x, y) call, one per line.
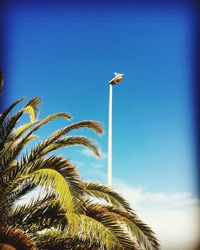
point(66, 54)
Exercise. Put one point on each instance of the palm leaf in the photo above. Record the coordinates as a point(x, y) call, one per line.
point(105, 228)
point(46, 120)
point(101, 191)
point(32, 108)
point(72, 141)
point(7, 111)
point(93, 125)
point(143, 233)
point(62, 166)
point(20, 130)
point(7, 127)
point(9, 154)
point(39, 214)
point(51, 179)
point(16, 239)
point(56, 239)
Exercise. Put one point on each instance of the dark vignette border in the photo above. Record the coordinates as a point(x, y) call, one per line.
point(194, 4)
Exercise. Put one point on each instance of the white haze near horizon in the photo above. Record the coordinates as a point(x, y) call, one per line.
point(174, 216)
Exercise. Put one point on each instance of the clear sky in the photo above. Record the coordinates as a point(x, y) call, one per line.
point(67, 54)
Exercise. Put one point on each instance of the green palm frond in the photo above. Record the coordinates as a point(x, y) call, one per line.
point(143, 233)
point(53, 143)
point(18, 145)
point(62, 166)
point(101, 191)
point(30, 138)
point(102, 226)
point(46, 120)
point(32, 108)
point(7, 111)
point(56, 239)
point(7, 157)
point(92, 125)
point(23, 128)
point(72, 141)
point(121, 207)
point(39, 214)
point(51, 179)
point(7, 127)
point(20, 172)
point(55, 116)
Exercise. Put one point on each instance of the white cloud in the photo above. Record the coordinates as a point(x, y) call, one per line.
point(98, 165)
point(87, 152)
point(173, 216)
point(104, 156)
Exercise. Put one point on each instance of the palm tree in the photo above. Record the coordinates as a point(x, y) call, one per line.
point(72, 214)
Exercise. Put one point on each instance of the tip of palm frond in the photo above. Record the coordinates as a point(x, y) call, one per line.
point(54, 116)
point(32, 107)
point(64, 115)
point(31, 138)
point(95, 126)
point(35, 102)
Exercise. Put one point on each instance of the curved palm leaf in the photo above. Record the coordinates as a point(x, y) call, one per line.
point(101, 191)
point(71, 141)
point(46, 120)
point(32, 108)
point(143, 233)
point(20, 130)
point(50, 178)
point(104, 227)
point(93, 125)
point(55, 239)
point(39, 214)
point(7, 111)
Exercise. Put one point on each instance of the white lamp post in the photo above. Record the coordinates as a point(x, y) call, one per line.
point(118, 77)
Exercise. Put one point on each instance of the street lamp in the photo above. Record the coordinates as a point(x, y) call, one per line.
point(118, 77)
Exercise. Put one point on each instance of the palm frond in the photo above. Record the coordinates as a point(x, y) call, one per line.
point(56, 239)
point(62, 166)
point(8, 155)
point(46, 120)
point(7, 127)
point(92, 125)
point(20, 130)
point(53, 180)
point(72, 141)
point(104, 227)
point(39, 214)
point(32, 108)
point(55, 136)
point(7, 111)
point(30, 138)
point(101, 191)
point(143, 233)
point(16, 238)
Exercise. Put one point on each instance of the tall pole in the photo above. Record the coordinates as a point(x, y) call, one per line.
point(110, 137)
point(118, 77)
